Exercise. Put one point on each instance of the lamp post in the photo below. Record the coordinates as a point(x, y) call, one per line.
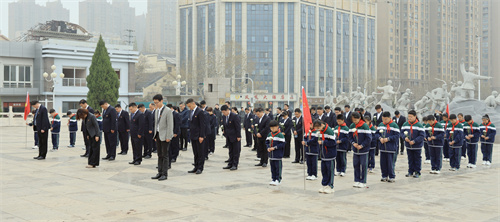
point(178, 85)
point(287, 72)
point(52, 78)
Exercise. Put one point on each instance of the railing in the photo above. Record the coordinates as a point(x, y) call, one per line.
point(17, 85)
point(75, 82)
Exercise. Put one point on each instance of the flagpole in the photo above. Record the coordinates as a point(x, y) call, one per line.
point(26, 137)
point(303, 147)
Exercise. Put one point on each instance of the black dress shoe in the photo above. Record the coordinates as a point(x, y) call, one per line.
point(122, 153)
point(111, 159)
point(105, 158)
point(192, 171)
point(296, 161)
point(137, 163)
point(233, 168)
point(147, 157)
point(185, 149)
point(227, 161)
point(206, 158)
point(156, 177)
point(254, 149)
point(35, 157)
point(225, 146)
point(155, 151)
point(40, 158)
point(131, 162)
point(258, 165)
point(264, 165)
point(401, 153)
point(169, 167)
point(301, 162)
point(198, 172)
point(85, 155)
point(163, 177)
point(173, 160)
point(226, 167)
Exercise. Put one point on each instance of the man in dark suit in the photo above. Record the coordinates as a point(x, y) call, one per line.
point(286, 107)
point(247, 124)
point(232, 132)
point(298, 135)
point(123, 124)
point(137, 131)
point(174, 145)
point(208, 130)
point(148, 123)
point(279, 113)
point(197, 129)
point(314, 115)
point(348, 115)
point(321, 114)
point(364, 112)
point(262, 132)
point(287, 124)
point(42, 124)
point(331, 119)
point(83, 104)
point(400, 120)
point(163, 133)
point(184, 138)
point(109, 127)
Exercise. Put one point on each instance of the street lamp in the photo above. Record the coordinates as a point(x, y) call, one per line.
point(53, 79)
point(178, 84)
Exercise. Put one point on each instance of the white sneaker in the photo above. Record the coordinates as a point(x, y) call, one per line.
point(308, 178)
point(488, 163)
point(427, 161)
point(447, 159)
point(356, 184)
point(337, 174)
point(322, 189)
point(328, 190)
point(257, 159)
point(342, 174)
point(463, 158)
point(361, 185)
point(484, 162)
point(314, 177)
point(370, 170)
point(83, 148)
point(437, 172)
point(472, 166)
point(211, 153)
point(277, 183)
point(432, 172)
point(453, 169)
point(272, 183)
point(35, 147)
point(468, 165)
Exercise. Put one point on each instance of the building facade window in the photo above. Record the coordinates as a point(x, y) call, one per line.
point(76, 76)
point(15, 76)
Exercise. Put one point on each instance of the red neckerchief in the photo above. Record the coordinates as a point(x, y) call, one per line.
point(360, 123)
point(97, 116)
point(461, 121)
point(489, 123)
point(323, 132)
point(453, 126)
point(411, 125)
point(435, 121)
point(272, 139)
point(471, 130)
point(388, 126)
point(310, 134)
point(371, 125)
point(58, 114)
point(340, 126)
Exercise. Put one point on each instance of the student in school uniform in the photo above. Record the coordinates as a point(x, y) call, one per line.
point(388, 132)
point(488, 132)
point(435, 138)
point(328, 152)
point(275, 143)
point(413, 133)
point(55, 128)
point(472, 135)
point(360, 137)
point(455, 139)
point(446, 146)
point(373, 143)
point(72, 128)
point(342, 139)
point(211, 137)
point(426, 144)
point(311, 145)
point(463, 152)
point(32, 124)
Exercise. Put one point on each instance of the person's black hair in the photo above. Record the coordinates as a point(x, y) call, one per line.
point(467, 118)
point(118, 105)
point(158, 97)
point(453, 116)
point(356, 109)
point(386, 114)
point(378, 106)
point(285, 113)
point(209, 109)
point(424, 118)
point(313, 108)
point(203, 102)
point(268, 109)
point(183, 103)
point(396, 112)
point(34, 112)
point(169, 105)
point(286, 105)
point(80, 113)
point(228, 102)
point(102, 102)
point(412, 112)
point(460, 114)
point(356, 115)
point(132, 105)
point(190, 100)
point(327, 107)
point(338, 109)
point(224, 107)
point(318, 123)
point(259, 109)
point(246, 109)
point(445, 115)
point(235, 108)
point(367, 118)
point(486, 117)
point(273, 123)
point(141, 105)
point(431, 118)
point(361, 110)
point(319, 108)
point(177, 109)
point(52, 111)
point(197, 104)
point(34, 102)
point(96, 112)
point(82, 101)
point(68, 113)
point(340, 116)
point(347, 106)
point(297, 110)
point(279, 108)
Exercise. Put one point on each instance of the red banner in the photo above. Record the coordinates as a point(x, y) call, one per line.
point(306, 112)
point(27, 108)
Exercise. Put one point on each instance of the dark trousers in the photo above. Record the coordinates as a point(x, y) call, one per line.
point(414, 160)
point(248, 137)
point(262, 150)
point(87, 143)
point(360, 163)
point(426, 150)
point(402, 145)
point(184, 138)
point(110, 140)
point(371, 158)
point(299, 149)
point(94, 152)
point(199, 154)
point(72, 138)
point(211, 143)
point(147, 140)
point(55, 141)
point(234, 152)
point(312, 165)
point(276, 168)
point(387, 165)
point(288, 139)
point(436, 157)
point(123, 141)
point(137, 149)
point(487, 149)
point(446, 149)
point(341, 161)
point(455, 156)
point(464, 149)
point(472, 153)
point(163, 158)
point(36, 138)
point(327, 171)
point(174, 148)
point(42, 143)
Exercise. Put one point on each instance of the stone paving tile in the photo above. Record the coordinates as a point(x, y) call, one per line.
point(60, 188)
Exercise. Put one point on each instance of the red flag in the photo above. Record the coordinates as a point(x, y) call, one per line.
point(448, 110)
point(27, 108)
point(307, 120)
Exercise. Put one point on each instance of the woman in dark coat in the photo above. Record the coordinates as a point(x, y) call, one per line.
point(93, 134)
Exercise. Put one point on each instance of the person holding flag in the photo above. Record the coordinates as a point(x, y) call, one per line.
point(360, 137)
point(413, 134)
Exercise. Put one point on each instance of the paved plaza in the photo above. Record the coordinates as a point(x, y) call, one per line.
point(60, 188)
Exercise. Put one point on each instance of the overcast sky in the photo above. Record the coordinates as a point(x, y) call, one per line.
point(139, 5)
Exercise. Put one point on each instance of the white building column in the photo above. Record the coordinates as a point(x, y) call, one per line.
point(275, 47)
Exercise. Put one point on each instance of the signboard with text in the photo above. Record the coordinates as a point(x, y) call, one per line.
point(263, 97)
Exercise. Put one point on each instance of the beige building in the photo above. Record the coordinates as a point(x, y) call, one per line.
point(490, 43)
point(102, 17)
point(161, 27)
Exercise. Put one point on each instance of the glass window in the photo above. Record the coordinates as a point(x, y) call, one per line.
point(6, 70)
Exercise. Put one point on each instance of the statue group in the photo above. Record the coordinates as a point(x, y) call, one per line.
point(434, 101)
